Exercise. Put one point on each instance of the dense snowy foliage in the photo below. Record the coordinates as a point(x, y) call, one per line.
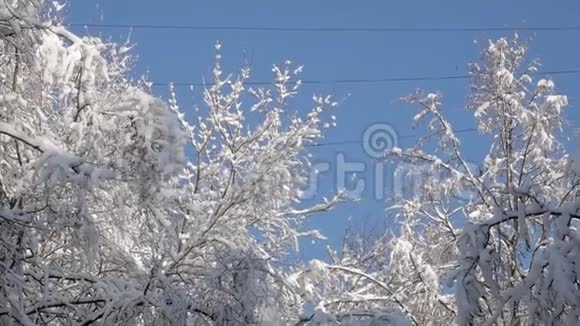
point(480, 244)
point(492, 243)
point(116, 209)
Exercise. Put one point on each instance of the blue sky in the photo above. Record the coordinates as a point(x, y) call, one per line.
point(169, 55)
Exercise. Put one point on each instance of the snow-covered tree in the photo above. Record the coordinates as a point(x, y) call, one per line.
point(120, 208)
point(500, 236)
point(481, 244)
point(115, 209)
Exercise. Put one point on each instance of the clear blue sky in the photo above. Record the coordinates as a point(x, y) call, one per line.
point(170, 55)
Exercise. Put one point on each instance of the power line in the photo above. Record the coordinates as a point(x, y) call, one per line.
point(322, 82)
point(360, 141)
point(331, 29)
point(359, 81)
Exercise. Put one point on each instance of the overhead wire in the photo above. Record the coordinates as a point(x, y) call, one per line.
point(338, 29)
point(360, 141)
point(333, 29)
point(357, 81)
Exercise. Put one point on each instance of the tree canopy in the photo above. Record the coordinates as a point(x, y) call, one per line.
point(116, 209)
